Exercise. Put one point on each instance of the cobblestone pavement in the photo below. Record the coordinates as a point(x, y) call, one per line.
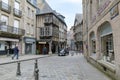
point(54, 68)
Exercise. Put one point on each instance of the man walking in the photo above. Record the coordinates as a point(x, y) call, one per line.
point(16, 51)
point(44, 50)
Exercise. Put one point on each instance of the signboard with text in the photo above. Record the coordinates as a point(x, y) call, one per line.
point(114, 11)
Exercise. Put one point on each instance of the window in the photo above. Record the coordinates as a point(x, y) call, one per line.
point(107, 47)
point(5, 1)
point(16, 23)
point(47, 31)
point(17, 5)
point(16, 26)
point(32, 14)
point(5, 20)
point(27, 28)
point(28, 12)
point(32, 29)
point(42, 31)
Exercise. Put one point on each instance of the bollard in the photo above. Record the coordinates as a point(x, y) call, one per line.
point(36, 74)
point(36, 66)
point(36, 70)
point(18, 73)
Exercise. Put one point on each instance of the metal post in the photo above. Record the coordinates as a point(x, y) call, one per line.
point(36, 71)
point(36, 74)
point(36, 66)
point(18, 73)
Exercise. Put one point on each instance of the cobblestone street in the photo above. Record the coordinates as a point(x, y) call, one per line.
point(54, 68)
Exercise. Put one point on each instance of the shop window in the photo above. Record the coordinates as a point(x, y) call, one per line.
point(107, 48)
point(93, 46)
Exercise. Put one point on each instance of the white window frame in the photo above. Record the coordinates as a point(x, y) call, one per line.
point(32, 29)
point(27, 28)
point(5, 20)
point(17, 5)
point(16, 26)
point(32, 16)
point(28, 11)
point(5, 1)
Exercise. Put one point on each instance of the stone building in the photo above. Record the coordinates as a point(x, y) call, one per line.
point(29, 23)
point(17, 26)
point(11, 27)
point(62, 33)
point(49, 26)
point(101, 35)
point(70, 39)
point(78, 30)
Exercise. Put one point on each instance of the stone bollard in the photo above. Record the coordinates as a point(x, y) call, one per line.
point(36, 70)
point(36, 66)
point(36, 74)
point(18, 73)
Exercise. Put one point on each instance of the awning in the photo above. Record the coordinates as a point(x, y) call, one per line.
point(9, 39)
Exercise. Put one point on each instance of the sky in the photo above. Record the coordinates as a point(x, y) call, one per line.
point(67, 8)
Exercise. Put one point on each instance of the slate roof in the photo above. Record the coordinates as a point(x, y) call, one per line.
point(78, 18)
point(45, 9)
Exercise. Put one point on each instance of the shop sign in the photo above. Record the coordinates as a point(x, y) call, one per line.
point(42, 42)
point(114, 11)
point(100, 10)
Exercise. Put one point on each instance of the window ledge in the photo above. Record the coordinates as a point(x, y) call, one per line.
point(108, 65)
point(93, 56)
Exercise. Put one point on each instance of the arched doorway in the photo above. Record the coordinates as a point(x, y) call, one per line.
point(92, 44)
point(106, 42)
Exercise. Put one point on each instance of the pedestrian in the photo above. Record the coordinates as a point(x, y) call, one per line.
point(44, 50)
point(37, 51)
point(16, 51)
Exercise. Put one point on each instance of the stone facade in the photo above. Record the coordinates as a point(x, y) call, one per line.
point(11, 28)
point(51, 29)
point(70, 39)
point(14, 25)
point(101, 35)
point(78, 32)
point(29, 23)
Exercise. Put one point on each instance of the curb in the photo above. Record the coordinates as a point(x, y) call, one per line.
point(22, 60)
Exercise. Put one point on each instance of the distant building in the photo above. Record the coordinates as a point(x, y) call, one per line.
point(51, 29)
point(70, 39)
point(78, 32)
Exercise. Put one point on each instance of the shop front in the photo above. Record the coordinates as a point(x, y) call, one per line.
point(107, 46)
point(40, 46)
point(30, 45)
point(7, 45)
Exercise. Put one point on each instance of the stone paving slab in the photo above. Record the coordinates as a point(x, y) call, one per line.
point(54, 68)
point(8, 60)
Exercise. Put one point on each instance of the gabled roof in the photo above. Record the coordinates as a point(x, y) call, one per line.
point(78, 19)
point(46, 9)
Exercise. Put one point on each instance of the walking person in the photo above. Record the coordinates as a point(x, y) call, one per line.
point(44, 50)
point(16, 51)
